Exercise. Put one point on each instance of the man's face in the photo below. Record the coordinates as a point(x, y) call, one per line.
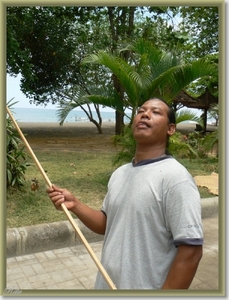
point(151, 124)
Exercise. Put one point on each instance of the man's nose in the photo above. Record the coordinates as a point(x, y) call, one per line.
point(145, 115)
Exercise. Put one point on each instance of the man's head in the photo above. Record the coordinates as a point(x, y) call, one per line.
point(154, 123)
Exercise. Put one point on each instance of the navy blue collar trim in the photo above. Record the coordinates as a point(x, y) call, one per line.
point(150, 161)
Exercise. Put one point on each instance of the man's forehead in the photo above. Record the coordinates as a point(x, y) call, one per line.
point(154, 103)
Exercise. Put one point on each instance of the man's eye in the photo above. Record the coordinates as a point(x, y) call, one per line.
point(140, 111)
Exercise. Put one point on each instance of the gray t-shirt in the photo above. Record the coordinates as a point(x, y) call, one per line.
point(151, 208)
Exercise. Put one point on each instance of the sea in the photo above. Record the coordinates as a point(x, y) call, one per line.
point(35, 115)
point(48, 115)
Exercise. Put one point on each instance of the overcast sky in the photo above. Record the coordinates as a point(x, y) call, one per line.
point(13, 91)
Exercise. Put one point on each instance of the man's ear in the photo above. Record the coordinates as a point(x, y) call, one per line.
point(172, 129)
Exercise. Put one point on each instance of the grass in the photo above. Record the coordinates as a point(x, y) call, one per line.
point(85, 174)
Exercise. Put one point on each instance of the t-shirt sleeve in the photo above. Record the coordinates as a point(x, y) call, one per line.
point(183, 214)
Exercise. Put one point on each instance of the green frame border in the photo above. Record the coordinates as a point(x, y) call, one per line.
point(222, 158)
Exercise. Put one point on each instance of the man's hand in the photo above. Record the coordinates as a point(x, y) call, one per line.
point(93, 219)
point(59, 196)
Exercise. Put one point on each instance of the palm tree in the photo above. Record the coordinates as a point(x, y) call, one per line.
point(150, 73)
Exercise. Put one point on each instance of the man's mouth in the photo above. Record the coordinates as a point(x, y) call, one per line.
point(143, 125)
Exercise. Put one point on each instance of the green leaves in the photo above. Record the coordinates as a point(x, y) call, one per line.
point(187, 115)
point(152, 72)
point(16, 163)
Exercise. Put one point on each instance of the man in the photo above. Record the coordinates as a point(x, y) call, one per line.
point(151, 215)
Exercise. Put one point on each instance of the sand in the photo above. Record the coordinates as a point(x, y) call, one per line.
point(69, 137)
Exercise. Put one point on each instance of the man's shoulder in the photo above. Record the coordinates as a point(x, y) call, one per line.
point(122, 168)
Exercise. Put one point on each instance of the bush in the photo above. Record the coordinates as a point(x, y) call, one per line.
point(180, 146)
point(210, 141)
point(195, 140)
point(16, 163)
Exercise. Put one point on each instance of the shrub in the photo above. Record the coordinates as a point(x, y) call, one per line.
point(195, 140)
point(180, 148)
point(16, 163)
point(210, 141)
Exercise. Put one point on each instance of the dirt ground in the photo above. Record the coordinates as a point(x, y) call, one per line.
point(69, 137)
point(76, 136)
point(82, 137)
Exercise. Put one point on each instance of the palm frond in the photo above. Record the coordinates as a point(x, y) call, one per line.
point(10, 103)
point(211, 140)
point(172, 81)
point(111, 101)
point(125, 73)
point(186, 115)
point(69, 100)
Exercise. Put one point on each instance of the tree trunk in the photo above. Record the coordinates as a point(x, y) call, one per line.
point(91, 119)
point(121, 26)
point(98, 126)
point(119, 116)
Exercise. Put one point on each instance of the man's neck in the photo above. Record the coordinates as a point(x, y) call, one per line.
point(143, 153)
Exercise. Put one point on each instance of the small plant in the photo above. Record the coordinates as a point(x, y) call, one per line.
point(195, 140)
point(210, 141)
point(127, 145)
point(34, 184)
point(180, 148)
point(177, 146)
point(16, 163)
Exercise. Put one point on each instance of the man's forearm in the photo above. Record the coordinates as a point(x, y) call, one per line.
point(183, 268)
point(95, 220)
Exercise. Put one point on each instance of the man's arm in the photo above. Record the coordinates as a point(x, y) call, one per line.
point(183, 268)
point(93, 219)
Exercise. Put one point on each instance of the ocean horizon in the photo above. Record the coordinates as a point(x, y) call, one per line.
point(47, 115)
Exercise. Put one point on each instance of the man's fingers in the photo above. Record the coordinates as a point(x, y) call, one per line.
point(56, 188)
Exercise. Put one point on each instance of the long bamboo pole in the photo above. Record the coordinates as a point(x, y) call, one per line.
point(64, 208)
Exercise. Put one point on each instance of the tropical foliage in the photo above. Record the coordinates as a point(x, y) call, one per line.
point(46, 45)
point(16, 164)
point(213, 113)
point(197, 23)
point(151, 72)
point(179, 145)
